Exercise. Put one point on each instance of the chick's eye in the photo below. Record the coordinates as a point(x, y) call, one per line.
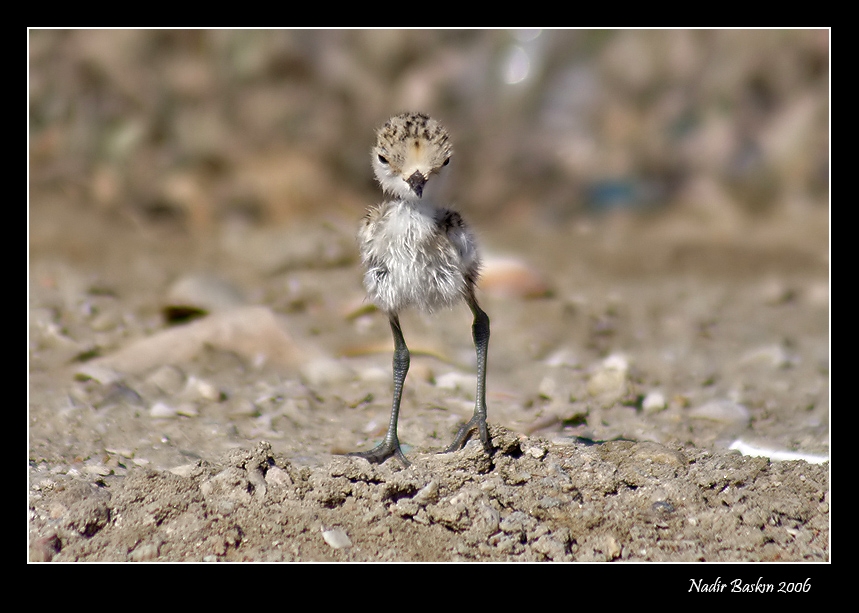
point(446, 162)
point(383, 160)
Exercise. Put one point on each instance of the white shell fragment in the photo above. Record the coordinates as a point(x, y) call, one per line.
point(337, 538)
point(777, 455)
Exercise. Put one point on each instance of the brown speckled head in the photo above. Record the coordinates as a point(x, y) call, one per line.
point(410, 147)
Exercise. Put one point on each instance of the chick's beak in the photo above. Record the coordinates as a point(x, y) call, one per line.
point(417, 182)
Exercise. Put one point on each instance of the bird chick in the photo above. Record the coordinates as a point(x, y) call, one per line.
point(418, 254)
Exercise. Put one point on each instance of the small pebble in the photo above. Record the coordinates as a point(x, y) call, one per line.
point(454, 381)
point(548, 388)
point(374, 374)
point(427, 494)
point(610, 377)
point(773, 356)
point(97, 469)
point(535, 452)
point(205, 292)
point(185, 470)
point(144, 553)
point(517, 522)
point(563, 357)
point(512, 278)
point(204, 390)
point(100, 374)
point(776, 454)
point(611, 547)
point(326, 371)
point(653, 403)
point(161, 410)
point(722, 411)
point(187, 409)
point(278, 477)
point(337, 538)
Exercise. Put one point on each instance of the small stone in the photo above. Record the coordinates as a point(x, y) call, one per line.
point(231, 485)
point(722, 411)
point(374, 374)
point(450, 516)
point(612, 547)
point(454, 381)
point(326, 371)
point(97, 469)
point(253, 332)
point(563, 357)
point(276, 476)
point(100, 374)
point(659, 454)
point(337, 538)
point(185, 470)
point(203, 292)
point(512, 278)
point(187, 409)
point(517, 523)
point(161, 410)
point(427, 494)
point(44, 484)
point(405, 507)
point(610, 378)
point(548, 388)
point(773, 356)
point(485, 521)
point(144, 553)
point(776, 454)
point(204, 390)
point(549, 547)
point(535, 452)
point(653, 403)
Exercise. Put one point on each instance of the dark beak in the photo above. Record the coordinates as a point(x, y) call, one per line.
point(417, 182)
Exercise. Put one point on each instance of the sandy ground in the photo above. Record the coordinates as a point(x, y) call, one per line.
point(653, 206)
point(613, 399)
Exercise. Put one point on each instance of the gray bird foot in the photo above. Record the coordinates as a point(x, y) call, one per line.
point(382, 452)
point(478, 423)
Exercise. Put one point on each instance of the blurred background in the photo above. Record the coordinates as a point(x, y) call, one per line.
point(653, 206)
point(201, 127)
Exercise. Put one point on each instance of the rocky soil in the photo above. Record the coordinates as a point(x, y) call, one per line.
point(614, 400)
